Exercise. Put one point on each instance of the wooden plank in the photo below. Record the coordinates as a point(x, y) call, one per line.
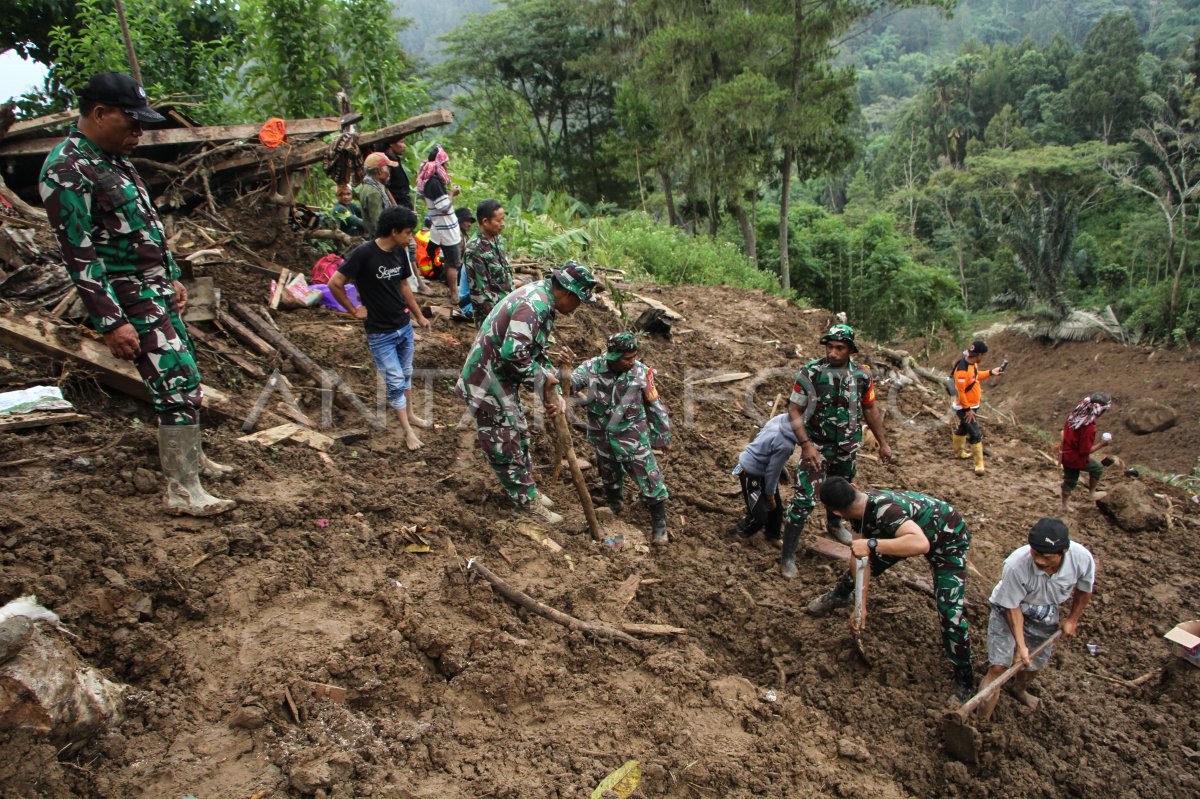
point(828, 548)
point(731, 377)
point(272, 435)
point(32, 333)
point(432, 119)
point(671, 314)
point(244, 334)
point(227, 352)
point(28, 127)
point(316, 440)
point(202, 300)
point(200, 135)
point(24, 421)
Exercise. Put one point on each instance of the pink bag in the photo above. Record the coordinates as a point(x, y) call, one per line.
point(323, 269)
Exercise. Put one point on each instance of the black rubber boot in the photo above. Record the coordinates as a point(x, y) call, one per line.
point(791, 539)
point(658, 521)
point(837, 597)
point(615, 496)
point(964, 684)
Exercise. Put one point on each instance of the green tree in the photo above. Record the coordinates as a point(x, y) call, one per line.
point(1106, 85)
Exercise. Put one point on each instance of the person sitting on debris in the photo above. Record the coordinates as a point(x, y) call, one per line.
point(759, 468)
point(433, 183)
point(380, 271)
point(373, 194)
point(347, 213)
point(485, 266)
point(513, 350)
point(429, 255)
point(830, 399)
point(967, 399)
point(1078, 446)
point(892, 526)
point(116, 253)
point(626, 422)
point(1036, 580)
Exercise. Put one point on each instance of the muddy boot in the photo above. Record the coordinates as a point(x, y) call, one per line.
point(210, 468)
point(787, 561)
point(544, 500)
point(179, 452)
point(615, 497)
point(836, 529)
point(977, 453)
point(964, 684)
point(837, 597)
point(538, 512)
point(658, 521)
point(959, 444)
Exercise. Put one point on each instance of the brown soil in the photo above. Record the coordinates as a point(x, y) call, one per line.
point(453, 692)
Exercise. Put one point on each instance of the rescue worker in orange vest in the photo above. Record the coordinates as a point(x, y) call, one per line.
point(968, 398)
point(429, 254)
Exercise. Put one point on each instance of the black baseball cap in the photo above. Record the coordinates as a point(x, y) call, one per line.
point(1049, 536)
point(121, 90)
point(464, 215)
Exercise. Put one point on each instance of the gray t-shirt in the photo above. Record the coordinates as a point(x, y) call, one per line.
point(1038, 594)
point(768, 453)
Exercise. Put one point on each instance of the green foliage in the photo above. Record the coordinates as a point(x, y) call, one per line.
point(293, 67)
point(1106, 86)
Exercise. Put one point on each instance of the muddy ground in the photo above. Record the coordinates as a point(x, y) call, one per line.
point(453, 692)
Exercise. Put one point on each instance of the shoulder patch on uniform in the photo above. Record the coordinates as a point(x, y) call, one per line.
point(650, 392)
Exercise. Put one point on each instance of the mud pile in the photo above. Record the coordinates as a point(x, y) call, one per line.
point(228, 629)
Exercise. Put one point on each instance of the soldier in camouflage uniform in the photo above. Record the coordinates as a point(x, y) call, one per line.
point(486, 263)
point(831, 398)
point(511, 351)
point(626, 422)
point(892, 526)
point(115, 250)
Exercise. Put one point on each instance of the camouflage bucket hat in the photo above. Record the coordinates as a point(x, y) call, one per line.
point(843, 333)
point(619, 344)
point(577, 279)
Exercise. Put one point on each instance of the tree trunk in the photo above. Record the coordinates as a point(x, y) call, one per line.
point(669, 198)
point(749, 235)
point(785, 269)
point(714, 215)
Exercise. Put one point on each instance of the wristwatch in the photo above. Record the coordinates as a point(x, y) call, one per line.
point(871, 544)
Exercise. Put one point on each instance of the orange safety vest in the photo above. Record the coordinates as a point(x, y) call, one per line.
point(425, 265)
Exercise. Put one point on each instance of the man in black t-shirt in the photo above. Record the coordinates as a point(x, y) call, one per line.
point(397, 182)
point(380, 269)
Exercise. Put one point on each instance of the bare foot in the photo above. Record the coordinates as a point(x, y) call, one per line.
point(1025, 698)
point(412, 442)
point(418, 421)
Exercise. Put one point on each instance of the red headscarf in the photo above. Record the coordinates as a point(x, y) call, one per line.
point(432, 166)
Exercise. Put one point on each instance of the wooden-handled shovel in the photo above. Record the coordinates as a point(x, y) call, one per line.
point(961, 739)
point(585, 499)
point(858, 617)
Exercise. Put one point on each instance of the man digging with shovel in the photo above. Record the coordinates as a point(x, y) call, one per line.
point(1025, 605)
point(894, 525)
point(626, 422)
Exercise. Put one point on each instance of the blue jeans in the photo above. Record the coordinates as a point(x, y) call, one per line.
point(393, 356)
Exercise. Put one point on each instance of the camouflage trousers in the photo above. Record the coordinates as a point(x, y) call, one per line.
point(504, 438)
point(837, 464)
point(644, 471)
point(949, 568)
point(167, 364)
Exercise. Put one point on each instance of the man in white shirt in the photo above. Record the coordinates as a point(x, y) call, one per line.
point(1037, 579)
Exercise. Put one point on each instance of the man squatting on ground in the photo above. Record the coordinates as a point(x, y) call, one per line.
point(115, 251)
point(1025, 604)
point(1079, 444)
point(511, 351)
point(967, 399)
point(830, 398)
point(893, 525)
point(626, 422)
point(759, 468)
point(380, 269)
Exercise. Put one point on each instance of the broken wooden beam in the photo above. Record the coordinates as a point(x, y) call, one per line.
point(28, 127)
point(326, 378)
point(198, 135)
point(244, 334)
point(225, 351)
point(25, 421)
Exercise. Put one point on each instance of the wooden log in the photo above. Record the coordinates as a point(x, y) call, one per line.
point(23, 208)
point(703, 505)
point(244, 334)
point(326, 378)
point(272, 436)
point(172, 136)
point(671, 314)
point(663, 630)
point(26, 421)
point(728, 377)
point(517, 597)
point(31, 333)
point(225, 351)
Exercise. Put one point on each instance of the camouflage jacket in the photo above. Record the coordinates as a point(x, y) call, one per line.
point(112, 240)
point(941, 523)
point(488, 274)
point(624, 412)
point(511, 349)
point(833, 401)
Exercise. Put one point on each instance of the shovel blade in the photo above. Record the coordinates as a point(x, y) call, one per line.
point(961, 739)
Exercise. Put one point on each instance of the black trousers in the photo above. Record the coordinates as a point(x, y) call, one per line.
point(969, 429)
point(758, 514)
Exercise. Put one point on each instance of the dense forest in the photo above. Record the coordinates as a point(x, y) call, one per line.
point(911, 164)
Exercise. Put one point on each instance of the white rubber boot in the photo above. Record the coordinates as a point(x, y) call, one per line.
point(179, 452)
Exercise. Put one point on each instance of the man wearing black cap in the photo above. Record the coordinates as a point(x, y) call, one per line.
point(968, 397)
point(1025, 604)
point(115, 250)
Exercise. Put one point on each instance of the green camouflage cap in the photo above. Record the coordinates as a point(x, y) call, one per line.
point(577, 279)
point(619, 344)
point(843, 333)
